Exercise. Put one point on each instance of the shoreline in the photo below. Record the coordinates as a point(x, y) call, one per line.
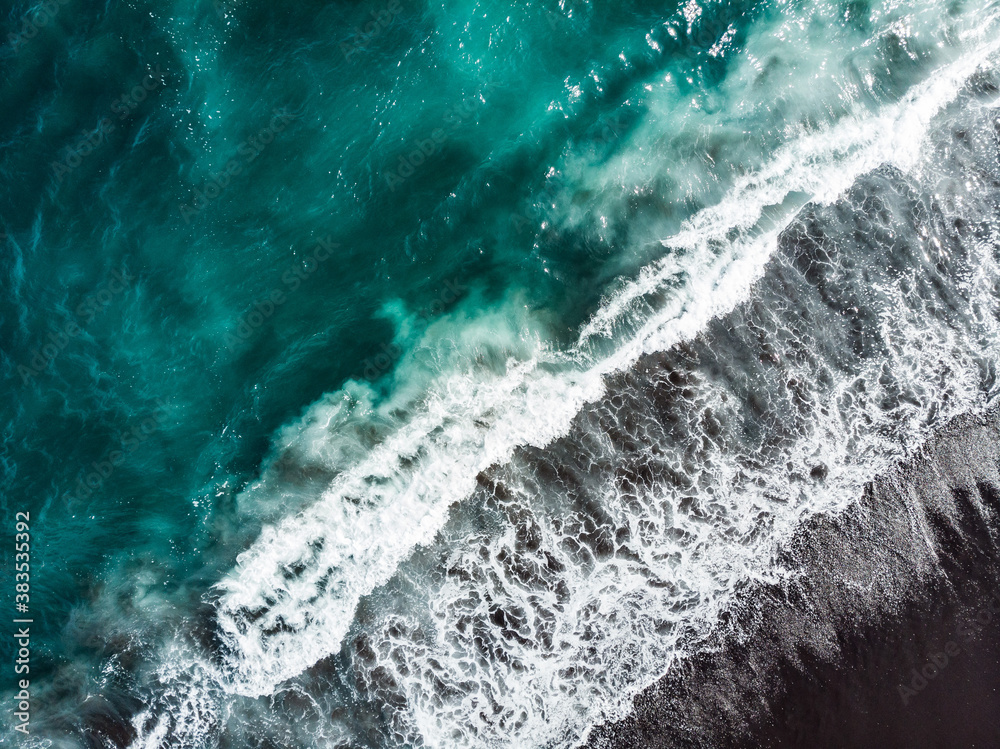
point(884, 593)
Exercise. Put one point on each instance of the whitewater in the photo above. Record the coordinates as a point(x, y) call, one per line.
point(583, 632)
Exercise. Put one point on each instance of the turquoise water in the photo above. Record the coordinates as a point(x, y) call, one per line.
point(263, 266)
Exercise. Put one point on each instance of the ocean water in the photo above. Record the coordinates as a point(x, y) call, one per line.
point(399, 374)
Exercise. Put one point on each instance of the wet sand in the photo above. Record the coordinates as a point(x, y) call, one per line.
point(888, 637)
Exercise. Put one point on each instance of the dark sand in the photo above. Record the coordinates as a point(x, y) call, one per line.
point(892, 585)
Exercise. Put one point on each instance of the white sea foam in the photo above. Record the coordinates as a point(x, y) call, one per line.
point(292, 597)
point(186, 713)
point(582, 633)
point(622, 621)
point(306, 575)
point(818, 167)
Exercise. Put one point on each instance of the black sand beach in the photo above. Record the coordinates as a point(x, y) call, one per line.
point(889, 637)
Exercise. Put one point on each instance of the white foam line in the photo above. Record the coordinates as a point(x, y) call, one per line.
point(814, 165)
point(372, 517)
point(291, 599)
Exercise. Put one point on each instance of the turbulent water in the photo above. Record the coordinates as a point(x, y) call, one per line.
point(404, 374)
